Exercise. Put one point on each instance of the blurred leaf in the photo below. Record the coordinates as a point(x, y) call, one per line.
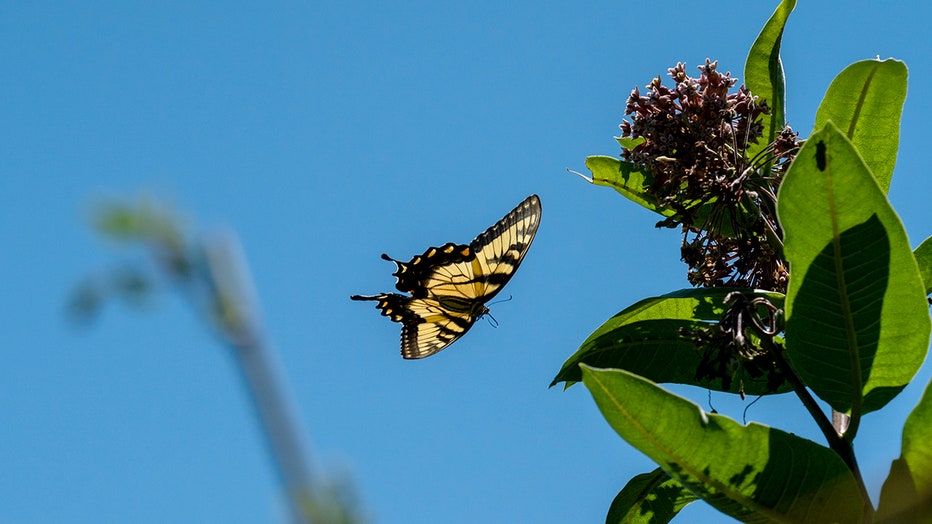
point(132, 285)
point(333, 501)
point(649, 498)
point(156, 227)
point(857, 326)
point(143, 221)
point(85, 301)
point(865, 101)
point(118, 221)
point(753, 473)
point(763, 75)
point(126, 282)
point(213, 277)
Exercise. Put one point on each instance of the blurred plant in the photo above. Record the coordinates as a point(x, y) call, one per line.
point(210, 273)
point(850, 325)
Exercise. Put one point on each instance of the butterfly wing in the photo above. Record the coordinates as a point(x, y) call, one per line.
point(478, 270)
point(427, 326)
point(501, 248)
point(437, 265)
point(450, 284)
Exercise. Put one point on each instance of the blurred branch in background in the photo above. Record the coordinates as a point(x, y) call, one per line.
point(212, 275)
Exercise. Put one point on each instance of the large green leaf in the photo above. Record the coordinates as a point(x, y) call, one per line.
point(865, 101)
point(857, 320)
point(899, 502)
point(651, 348)
point(646, 339)
point(917, 446)
point(763, 74)
point(923, 255)
point(649, 498)
point(625, 178)
point(753, 473)
point(907, 492)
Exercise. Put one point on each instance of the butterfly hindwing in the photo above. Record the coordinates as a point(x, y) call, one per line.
point(438, 327)
point(413, 276)
point(450, 284)
point(429, 325)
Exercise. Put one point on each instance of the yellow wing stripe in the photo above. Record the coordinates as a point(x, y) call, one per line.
point(450, 285)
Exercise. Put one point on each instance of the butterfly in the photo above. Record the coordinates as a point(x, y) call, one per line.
point(450, 285)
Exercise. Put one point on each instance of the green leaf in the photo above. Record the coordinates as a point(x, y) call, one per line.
point(145, 221)
point(899, 503)
point(923, 255)
point(649, 498)
point(625, 178)
point(628, 143)
point(865, 101)
point(121, 222)
point(763, 74)
point(857, 325)
point(753, 473)
point(645, 339)
point(650, 348)
point(635, 185)
point(907, 492)
point(917, 445)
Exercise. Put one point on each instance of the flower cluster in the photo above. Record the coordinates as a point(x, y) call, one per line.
point(692, 140)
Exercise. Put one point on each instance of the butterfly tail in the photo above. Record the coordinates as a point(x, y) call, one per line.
point(366, 297)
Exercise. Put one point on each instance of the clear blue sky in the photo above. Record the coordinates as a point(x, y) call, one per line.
point(325, 135)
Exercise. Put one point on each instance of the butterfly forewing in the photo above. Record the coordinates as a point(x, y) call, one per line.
point(450, 284)
point(501, 248)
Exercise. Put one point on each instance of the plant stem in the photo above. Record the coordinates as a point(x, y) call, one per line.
point(234, 309)
point(835, 441)
point(261, 373)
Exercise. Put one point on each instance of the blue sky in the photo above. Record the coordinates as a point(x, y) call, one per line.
point(324, 135)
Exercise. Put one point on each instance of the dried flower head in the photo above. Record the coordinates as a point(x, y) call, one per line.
point(692, 139)
point(730, 349)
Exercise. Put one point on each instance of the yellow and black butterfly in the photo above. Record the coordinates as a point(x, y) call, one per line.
point(450, 285)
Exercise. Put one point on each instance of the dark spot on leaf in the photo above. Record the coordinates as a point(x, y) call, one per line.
point(820, 155)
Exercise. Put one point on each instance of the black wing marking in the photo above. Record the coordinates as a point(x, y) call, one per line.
point(428, 327)
point(499, 251)
point(501, 248)
point(450, 284)
point(412, 276)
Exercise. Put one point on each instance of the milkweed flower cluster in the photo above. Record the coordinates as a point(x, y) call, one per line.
point(692, 140)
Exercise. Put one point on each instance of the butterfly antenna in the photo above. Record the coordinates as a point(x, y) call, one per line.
point(492, 321)
point(502, 300)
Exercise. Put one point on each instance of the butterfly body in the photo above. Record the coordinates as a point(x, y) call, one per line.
point(450, 285)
